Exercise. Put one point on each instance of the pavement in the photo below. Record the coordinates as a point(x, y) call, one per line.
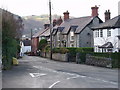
point(37, 72)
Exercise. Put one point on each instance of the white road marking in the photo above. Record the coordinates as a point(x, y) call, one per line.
point(37, 74)
point(103, 80)
point(32, 74)
point(53, 84)
point(72, 74)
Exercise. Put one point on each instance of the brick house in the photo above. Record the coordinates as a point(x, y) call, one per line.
point(43, 34)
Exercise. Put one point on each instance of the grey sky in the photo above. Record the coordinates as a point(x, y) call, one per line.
point(77, 8)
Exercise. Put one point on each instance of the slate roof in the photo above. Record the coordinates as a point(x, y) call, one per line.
point(44, 32)
point(81, 22)
point(78, 23)
point(112, 23)
point(27, 42)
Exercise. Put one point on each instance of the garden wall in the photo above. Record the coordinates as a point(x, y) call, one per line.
point(98, 61)
point(55, 56)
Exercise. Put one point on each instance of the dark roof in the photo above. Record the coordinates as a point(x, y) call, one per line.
point(107, 45)
point(44, 32)
point(112, 23)
point(38, 33)
point(27, 42)
point(81, 23)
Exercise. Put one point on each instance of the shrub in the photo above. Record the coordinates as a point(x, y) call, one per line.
point(42, 44)
point(47, 48)
point(85, 49)
point(60, 50)
point(55, 50)
point(63, 50)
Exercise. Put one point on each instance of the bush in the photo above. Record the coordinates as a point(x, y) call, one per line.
point(42, 44)
point(55, 50)
point(63, 50)
point(47, 48)
point(60, 50)
point(9, 50)
point(85, 49)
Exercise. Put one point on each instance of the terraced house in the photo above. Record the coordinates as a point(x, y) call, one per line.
point(76, 32)
point(71, 32)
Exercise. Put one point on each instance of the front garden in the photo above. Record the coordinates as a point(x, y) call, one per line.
point(81, 55)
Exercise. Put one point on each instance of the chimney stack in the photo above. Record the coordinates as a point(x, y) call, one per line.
point(54, 22)
point(107, 15)
point(94, 11)
point(59, 21)
point(66, 15)
point(46, 26)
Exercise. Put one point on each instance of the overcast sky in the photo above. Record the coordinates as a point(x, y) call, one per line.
point(77, 8)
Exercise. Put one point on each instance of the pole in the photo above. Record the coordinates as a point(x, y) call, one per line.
point(50, 29)
point(31, 41)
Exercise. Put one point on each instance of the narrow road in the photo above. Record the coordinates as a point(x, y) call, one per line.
point(37, 72)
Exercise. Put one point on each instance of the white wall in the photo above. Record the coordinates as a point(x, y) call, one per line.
point(27, 49)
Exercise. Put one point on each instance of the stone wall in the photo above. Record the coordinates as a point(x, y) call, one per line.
point(98, 61)
point(55, 56)
point(59, 57)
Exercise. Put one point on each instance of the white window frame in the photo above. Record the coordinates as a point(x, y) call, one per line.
point(108, 32)
point(72, 35)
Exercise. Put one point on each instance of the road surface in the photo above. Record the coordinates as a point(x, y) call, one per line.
point(37, 72)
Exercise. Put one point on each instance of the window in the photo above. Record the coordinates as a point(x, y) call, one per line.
point(97, 33)
point(58, 36)
point(71, 35)
point(108, 32)
point(101, 33)
point(72, 45)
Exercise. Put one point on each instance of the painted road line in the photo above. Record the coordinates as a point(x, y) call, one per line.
point(32, 75)
point(74, 75)
point(37, 74)
point(54, 84)
point(103, 80)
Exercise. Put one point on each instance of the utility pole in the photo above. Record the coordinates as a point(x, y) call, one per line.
point(31, 41)
point(50, 18)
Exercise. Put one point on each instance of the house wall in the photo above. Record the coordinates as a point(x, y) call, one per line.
point(35, 42)
point(27, 49)
point(86, 38)
point(119, 39)
point(99, 41)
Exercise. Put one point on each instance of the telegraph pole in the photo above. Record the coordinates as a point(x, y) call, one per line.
point(50, 18)
point(31, 41)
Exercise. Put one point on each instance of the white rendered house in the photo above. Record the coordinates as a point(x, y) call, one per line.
point(107, 36)
point(25, 46)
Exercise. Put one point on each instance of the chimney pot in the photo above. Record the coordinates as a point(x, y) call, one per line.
point(54, 22)
point(94, 11)
point(107, 15)
point(66, 15)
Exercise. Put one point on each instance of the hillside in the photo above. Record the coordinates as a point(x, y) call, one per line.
point(35, 23)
